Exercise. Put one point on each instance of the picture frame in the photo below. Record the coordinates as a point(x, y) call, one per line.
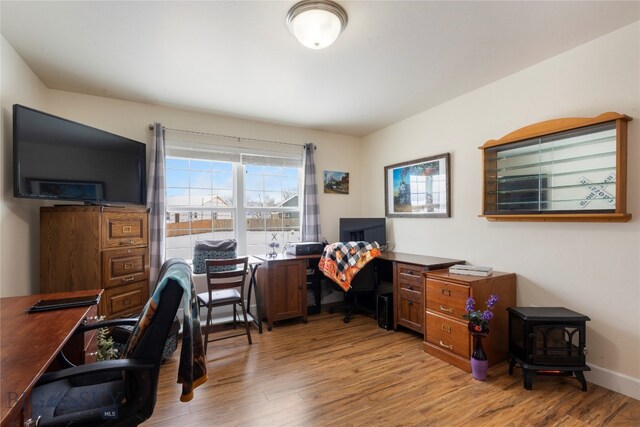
point(336, 182)
point(418, 188)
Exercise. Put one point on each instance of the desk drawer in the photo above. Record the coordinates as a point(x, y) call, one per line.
point(409, 274)
point(448, 334)
point(447, 298)
point(124, 229)
point(125, 266)
point(126, 300)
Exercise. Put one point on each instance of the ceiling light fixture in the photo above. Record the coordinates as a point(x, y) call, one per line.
point(316, 23)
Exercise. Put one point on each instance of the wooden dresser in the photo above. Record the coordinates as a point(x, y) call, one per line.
point(93, 247)
point(445, 331)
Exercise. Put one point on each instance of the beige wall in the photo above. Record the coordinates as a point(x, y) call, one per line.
point(591, 268)
point(19, 219)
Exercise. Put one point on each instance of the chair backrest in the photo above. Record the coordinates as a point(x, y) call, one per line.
point(221, 273)
point(151, 345)
point(365, 280)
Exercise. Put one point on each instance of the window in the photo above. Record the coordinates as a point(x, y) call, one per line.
point(254, 199)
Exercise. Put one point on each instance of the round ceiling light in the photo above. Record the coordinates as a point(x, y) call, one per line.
point(316, 23)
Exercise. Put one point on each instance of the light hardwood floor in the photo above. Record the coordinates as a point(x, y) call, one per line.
point(327, 373)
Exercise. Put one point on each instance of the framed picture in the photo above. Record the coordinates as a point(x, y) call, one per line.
point(418, 188)
point(336, 182)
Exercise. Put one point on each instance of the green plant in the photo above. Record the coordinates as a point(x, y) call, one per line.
point(106, 347)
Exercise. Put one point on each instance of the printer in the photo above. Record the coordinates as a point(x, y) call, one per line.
point(304, 248)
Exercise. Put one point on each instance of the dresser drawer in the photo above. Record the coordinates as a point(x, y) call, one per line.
point(447, 298)
point(126, 300)
point(123, 266)
point(448, 334)
point(124, 229)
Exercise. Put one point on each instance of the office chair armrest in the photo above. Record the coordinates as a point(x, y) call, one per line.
point(96, 368)
point(106, 324)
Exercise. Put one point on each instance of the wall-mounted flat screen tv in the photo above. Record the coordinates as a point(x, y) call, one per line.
point(58, 159)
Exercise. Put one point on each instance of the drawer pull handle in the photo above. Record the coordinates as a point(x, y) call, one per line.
point(446, 328)
point(410, 288)
point(126, 242)
point(126, 229)
point(93, 353)
point(90, 319)
point(409, 273)
point(409, 302)
point(128, 265)
point(446, 292)
point(129, 279)
point(445, 309)
point(447, 346)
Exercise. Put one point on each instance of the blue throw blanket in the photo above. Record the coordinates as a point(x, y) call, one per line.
point(192, 370)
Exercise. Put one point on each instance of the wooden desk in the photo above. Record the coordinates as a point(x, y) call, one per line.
point(408, 286)
point(28, 345)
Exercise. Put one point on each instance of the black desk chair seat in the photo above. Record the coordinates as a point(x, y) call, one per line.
point(363, 284)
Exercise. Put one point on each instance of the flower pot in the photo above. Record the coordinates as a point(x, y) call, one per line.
point(479, 369)
point(479, 362)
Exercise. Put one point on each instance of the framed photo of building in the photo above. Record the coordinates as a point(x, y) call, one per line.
point(418, 188)
point(336, 182)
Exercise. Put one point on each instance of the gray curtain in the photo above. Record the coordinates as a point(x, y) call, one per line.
point(156, 203)
point(310, 227)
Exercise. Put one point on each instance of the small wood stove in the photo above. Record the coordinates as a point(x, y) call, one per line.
point(547, 341)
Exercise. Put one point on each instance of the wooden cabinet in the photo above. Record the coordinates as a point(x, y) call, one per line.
point(282, 285)
point(93, 247)
point(445, 331)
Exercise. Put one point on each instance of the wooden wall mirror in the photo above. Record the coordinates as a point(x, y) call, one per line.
point(571, 169)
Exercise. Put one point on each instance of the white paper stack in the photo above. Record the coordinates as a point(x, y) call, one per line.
point(471, 270)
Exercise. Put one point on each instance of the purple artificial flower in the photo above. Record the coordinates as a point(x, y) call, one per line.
point(491, 302)
point(487, 315)
point(470, 305)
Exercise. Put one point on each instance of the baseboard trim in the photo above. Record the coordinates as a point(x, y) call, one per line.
point(615, 381)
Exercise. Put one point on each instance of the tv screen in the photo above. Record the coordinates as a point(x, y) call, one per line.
point(363, 229)
point(58, 159)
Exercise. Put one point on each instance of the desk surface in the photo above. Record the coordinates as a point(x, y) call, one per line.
point(431, 262)
point(29, 343)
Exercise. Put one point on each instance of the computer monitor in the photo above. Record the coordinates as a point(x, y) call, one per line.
point(363, 229)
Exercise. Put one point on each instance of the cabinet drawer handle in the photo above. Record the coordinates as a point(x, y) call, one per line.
point(446, 292)
point(447, 346)
point(409, 302)
point(126, 242)
point(126, 229)
point(410, 288)
point(127, 265)
point(409, 273)
point(93, 353)
point(445, 309)
point(446, 328)
point(90, 319)
point(129, 279)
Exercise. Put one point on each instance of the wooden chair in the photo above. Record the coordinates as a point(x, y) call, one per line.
point(225, 280)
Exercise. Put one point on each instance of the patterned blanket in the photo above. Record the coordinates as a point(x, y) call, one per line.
point(192, 370)
point(342, 260)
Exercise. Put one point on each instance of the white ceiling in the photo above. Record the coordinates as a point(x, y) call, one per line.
point(237, 58)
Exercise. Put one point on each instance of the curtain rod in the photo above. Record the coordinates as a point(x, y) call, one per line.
point(237, 138)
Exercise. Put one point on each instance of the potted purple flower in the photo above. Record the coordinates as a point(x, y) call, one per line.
point(479, 327)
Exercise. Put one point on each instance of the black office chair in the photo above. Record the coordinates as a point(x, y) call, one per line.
point(363, 283)
point(113, 392)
